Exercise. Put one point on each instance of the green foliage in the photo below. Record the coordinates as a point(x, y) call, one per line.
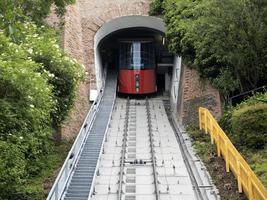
point(64, 73)
point(223, 40)
point(12, 13)
point(156, 7)
point(38, 82)
point(12, 169)
point(201, 142)
point(226, 120)
point(25, 104)
point(249, 125)
point(258, 162)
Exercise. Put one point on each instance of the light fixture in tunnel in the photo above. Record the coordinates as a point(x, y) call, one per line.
point(163, 40)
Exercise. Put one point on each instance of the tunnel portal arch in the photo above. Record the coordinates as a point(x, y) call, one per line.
point(120, 23)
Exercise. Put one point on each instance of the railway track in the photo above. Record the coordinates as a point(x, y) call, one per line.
point(144, 160)
point(127, 150)
point(130, 161)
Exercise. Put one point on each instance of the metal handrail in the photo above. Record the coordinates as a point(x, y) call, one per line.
point(263, 88)
point(62, 179)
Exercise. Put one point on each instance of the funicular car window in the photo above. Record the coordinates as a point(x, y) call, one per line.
point(137, 55)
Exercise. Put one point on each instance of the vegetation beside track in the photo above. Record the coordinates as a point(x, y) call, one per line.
point(38, 82)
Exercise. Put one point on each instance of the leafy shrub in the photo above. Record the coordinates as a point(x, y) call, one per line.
point(209, 37)
point(156, 7)
point(26, 102)
point(12, 169)
point(64, 73)
point(37, 89)
point(249, 125)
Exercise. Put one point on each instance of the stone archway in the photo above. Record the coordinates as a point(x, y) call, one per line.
point(117, 24)
point(81, 24)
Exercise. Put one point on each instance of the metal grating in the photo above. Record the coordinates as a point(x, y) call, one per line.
point(130, 171)
point(130, 189)
point(132, 138)
point(130, 197)
point(132, 150)
point(132, 144)
point(132, 156)
point(130, 179)
point(80, 182)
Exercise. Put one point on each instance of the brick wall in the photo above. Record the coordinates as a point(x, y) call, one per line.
point(73, 45)
point(196, 92)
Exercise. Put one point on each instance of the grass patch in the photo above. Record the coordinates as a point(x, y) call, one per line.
point(258, 163)
point(39, 187)
point(225, 182)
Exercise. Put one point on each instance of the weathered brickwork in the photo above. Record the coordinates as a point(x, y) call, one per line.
point(81, 23)
point(196, 92)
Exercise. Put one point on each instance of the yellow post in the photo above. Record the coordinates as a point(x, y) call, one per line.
point(250, 191)
point(199, 118)
point(227, 164)
point(212, 133)
point(218, 146)
point(239, 177)
point(205, 121)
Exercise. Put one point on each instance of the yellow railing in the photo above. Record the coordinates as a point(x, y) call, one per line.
point(246, 179)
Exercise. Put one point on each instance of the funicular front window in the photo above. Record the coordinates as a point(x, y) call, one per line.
point(137, 55)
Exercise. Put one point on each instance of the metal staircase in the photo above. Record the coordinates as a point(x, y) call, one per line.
point(77, 174)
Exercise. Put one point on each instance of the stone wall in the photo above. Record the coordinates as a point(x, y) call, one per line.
point(196, 92)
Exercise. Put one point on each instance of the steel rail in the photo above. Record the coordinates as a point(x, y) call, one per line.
point(122, 162)
point(152, 148)
point(187, 159)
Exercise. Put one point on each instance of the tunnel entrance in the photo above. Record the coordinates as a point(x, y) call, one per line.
point(109, 52)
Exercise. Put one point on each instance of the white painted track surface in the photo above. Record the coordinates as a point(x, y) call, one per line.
point(138, 181)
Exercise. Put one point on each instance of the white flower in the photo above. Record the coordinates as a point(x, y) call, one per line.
point(21, 137)
point(51, 75)
point(31, 105)
point(30, 50)
point(56, 45)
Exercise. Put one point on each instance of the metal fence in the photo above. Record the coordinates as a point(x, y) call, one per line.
point(246, 178)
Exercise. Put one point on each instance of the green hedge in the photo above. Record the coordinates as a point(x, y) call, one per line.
point(249, 125)
point(246, 122)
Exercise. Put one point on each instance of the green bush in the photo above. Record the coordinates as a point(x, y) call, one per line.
point(38, 82)
point(26, 103)
point(37, 88)
point(210, 38)
point(156, 7)
point(12, 169)
point(249, 125)
point(226, 120)
point(64, 73)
